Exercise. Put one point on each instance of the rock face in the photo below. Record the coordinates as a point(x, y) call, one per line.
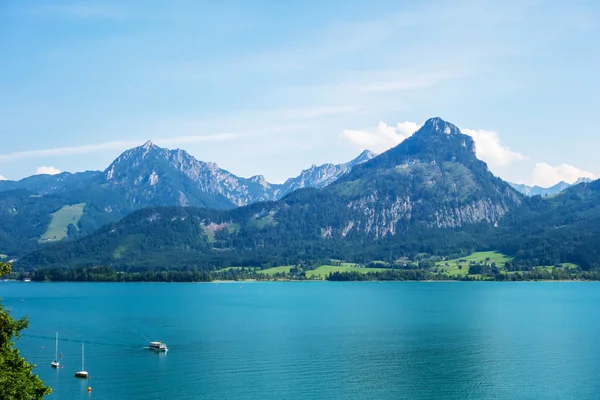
point(151, 175)
point(321, 176)
point(155, 176)
point(433, 179)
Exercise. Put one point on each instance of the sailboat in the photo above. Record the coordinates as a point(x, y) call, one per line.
point(55, 363)
point(83, 373)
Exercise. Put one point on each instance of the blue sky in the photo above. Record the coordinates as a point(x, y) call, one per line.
point(271, 87)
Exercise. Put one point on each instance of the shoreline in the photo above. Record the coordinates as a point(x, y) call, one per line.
point(317, 280)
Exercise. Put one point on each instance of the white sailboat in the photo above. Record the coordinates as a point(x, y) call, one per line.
point(83, 373)
point(55, 363)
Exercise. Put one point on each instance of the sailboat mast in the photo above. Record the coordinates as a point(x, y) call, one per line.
point(56, 348)
point(82, 356)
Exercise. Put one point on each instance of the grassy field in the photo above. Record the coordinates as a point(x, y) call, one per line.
point(57, 229)
point(460, 266)
point(321, 272)
point(565, 266)
point(453, 267)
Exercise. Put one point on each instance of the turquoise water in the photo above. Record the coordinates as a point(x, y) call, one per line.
point(453, 340)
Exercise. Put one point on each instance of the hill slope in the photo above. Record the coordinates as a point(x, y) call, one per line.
point(564, 228)
point(430, 193)
point(140, 177)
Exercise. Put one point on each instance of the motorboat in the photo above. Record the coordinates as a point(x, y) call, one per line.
point(158, 346)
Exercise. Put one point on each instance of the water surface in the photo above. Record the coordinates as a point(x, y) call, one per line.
point(436, 340)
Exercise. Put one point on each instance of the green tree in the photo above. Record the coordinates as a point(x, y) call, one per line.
point(4, 269)
point(17, 380)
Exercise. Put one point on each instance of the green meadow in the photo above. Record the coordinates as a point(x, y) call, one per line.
point(460, 266)
point(59, 225)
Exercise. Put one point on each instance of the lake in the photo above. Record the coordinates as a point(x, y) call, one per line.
point(315, 340)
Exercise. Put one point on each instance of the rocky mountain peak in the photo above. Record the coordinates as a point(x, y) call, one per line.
point(437, 141)
point(583, 180)
point(364, 156)
point(260, 179)
point(438, 126)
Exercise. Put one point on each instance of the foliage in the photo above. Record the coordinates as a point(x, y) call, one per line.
point(107, 274)
point(391, 275)
point(5, 269)
point(561, 229)
point(323, 271)
point(17, 380)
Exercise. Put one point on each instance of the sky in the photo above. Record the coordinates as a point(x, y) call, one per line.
point(272, 87)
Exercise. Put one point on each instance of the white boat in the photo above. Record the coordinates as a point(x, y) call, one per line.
point(27, 279)
point(55, 363)
point(158, 346)
point(83, 373)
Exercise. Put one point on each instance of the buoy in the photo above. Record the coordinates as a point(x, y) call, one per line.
point(89, 389)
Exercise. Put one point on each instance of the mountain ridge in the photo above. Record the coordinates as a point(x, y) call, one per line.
point(536, 190)
point(142, 176)
point(428, 194)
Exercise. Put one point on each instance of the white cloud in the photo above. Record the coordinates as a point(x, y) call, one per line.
point(2, 178)
point(47, 171)
point(488, 145)
point(122, 145)
point(490, 150)
point(380, 139)
point(546, 175)
point(61, 151)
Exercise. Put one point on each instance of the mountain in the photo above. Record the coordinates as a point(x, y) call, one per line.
point(540, 191)
point(558, 229)
point(48, 208)
point(49, 184)
point(428, 194)
point(150, 175)
point(321, 176)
